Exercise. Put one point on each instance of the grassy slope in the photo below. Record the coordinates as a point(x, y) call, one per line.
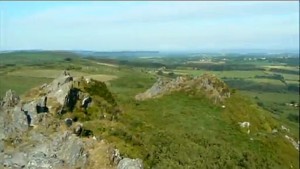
point(277, 101)
point(272, 100)
point(182, 131)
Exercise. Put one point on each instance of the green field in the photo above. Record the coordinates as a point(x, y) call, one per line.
point(227, 74)
point(20, 83)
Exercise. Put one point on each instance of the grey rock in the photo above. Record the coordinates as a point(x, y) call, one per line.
point(11, 99)
point(69, 148)
point(128, 163)
point(13, 123)
point(43, 101)
point(37, 137)
point(40, 160)
point(59, 88)
point(115, 156)
point(41, 106)
point(43, 150)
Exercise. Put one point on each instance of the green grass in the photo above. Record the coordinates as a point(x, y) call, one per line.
point(48, 65)
point(20, 84)
point(269, 81)
point(274, 97)
point(290, 77)
point(292, 82)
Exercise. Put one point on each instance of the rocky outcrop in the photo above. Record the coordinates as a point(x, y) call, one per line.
point(38, 151)
point(59, 88)
point(207, 84)
point(32, 137)
point(13, 122)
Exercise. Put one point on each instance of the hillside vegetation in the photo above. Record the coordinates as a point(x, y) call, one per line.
point(182, 128)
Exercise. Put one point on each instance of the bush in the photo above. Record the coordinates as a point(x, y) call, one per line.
point(159, 72)
point(293, 117)
point(68, 59)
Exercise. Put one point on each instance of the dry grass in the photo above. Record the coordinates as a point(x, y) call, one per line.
point(99, 155)
point(106, 64)
point(282, 67)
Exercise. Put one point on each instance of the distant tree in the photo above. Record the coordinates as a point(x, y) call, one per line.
point(261, 104)
point(68, 59)
point(293, 117)
point(160, 72)
point(171, 74)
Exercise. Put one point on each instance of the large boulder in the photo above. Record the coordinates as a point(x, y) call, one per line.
point(59, 88)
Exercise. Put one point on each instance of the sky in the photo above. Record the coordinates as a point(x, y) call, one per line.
point(151, 25)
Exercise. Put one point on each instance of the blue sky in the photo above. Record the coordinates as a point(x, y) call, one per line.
point(152, 25)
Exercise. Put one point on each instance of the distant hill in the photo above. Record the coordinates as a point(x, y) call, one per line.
point(117, 53)
point(34, 57)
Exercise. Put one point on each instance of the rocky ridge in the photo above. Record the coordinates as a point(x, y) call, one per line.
point(207, 84)
point(33, 136)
